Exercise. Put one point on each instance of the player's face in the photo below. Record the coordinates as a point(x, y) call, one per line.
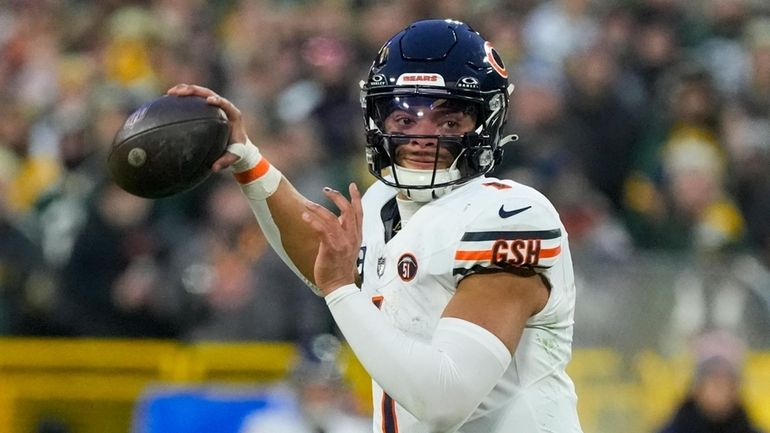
point(424, 123)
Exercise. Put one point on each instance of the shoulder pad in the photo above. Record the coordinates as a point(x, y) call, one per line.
point(378, 192)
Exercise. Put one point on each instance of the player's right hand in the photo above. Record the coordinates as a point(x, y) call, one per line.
point(234, 117)
point(339, 238)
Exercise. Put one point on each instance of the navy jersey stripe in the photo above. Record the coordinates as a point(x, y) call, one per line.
point(499, 267)
point(493, 236)
point(389, 424)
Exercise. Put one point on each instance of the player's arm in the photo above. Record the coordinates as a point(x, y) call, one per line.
point(281, 213)
point(500, 302)
point(443, 381)
point(277, 205)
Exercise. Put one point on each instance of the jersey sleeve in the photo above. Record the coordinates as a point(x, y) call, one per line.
point(522, 236)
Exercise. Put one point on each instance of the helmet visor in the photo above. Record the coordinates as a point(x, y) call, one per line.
point(420, 115)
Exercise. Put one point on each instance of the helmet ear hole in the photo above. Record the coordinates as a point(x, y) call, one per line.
point(480, 159)
point(479, 155)
point(486, 158)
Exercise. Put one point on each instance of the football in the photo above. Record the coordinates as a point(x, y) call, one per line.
point(167, 146)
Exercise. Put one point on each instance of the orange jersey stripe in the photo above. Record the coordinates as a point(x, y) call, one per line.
point(473, 255)
point(549, 253)
point(253, 173)
point(383, 408)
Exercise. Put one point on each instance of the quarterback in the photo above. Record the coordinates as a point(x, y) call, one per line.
point(454, 289)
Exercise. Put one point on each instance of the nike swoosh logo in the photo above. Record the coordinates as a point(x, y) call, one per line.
point(507, 214)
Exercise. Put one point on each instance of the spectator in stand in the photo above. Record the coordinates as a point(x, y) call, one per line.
point(230, 286)
point(556, 29)
point(747, 128)
point(35, 168)
point(321, 401)
point(541, 154)
point(678, 197)
point(713, 403)
point(654, 52)
point(26, 285)
point(77, 127)
point(113, 284)
point(723, 50)
point(607, 127)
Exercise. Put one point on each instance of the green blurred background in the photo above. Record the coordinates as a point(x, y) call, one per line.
point(646, 122)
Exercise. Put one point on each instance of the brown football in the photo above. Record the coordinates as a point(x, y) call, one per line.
point(167, 146)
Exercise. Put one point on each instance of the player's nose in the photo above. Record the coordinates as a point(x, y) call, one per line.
point(424, 142)
point(425, 127)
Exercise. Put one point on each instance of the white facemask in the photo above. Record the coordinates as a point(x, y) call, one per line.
point(410, 176)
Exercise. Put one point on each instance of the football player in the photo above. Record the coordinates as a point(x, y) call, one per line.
point(454, 289)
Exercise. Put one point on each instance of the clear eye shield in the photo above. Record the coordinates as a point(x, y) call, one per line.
point(422, 106)
point(437, 108)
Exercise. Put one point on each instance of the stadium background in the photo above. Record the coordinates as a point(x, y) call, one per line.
point(647, 122)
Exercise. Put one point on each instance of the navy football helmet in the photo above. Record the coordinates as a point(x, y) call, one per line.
point(436, 63)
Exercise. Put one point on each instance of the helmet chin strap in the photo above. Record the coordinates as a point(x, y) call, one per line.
point(411, 176)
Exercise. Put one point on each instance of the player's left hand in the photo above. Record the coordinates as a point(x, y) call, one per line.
point(339, 238)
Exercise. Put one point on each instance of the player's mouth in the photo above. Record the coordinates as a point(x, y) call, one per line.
point(421, 160)
point(418, 163)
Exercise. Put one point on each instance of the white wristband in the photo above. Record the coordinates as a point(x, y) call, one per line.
point(248, 154)
point(258, 178)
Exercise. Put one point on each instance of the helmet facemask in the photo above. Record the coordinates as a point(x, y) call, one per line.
point(455, 157)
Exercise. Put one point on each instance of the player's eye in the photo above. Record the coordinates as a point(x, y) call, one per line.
point(404, 121)
point(452, 122)
point(399, 121)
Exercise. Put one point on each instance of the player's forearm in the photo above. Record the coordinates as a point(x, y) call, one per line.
point(463, 360)
point(299, 242)
point(278, 207)
point(279, 217)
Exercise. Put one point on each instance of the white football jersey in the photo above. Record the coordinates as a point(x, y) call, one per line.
point(486, 224)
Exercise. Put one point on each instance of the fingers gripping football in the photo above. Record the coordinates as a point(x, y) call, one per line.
point(339, 238)
point(238, 157)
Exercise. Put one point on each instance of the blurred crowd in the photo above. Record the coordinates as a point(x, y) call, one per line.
point(647, 122)
point(714, 399)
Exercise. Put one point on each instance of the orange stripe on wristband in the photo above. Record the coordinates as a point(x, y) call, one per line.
point(253, 173)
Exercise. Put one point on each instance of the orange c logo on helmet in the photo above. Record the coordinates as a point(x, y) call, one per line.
point(494, 60)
